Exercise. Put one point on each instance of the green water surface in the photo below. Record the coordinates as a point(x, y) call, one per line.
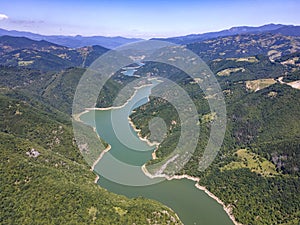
point(193, 206)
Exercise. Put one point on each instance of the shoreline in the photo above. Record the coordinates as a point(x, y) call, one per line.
point(100, 156)
point(87, 110)
point(227, 209)
point(138, 132)
point(77, 118)
point(124, 104)
point(97, 160)
point(117, 107)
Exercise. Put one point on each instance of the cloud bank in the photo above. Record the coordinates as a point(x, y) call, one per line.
point(3, 16)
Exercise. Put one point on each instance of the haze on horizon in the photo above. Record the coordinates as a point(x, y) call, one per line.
point(143, 19)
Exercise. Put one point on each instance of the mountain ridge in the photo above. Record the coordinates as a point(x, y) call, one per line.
point(72, 41)
point(44, 55)
point(273, 28)
point(115, 41)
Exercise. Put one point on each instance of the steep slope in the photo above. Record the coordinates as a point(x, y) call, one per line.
point(90, 54)
point(13, 77)
point(45, 56)
point(9, 43)
point(44, 179)
point(256, 172)
point(34, 59)
point(259, 158)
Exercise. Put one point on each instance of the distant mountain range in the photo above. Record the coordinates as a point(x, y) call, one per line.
point(113, 42)
point(72, 41)
point(288, 30)
point(48, 53)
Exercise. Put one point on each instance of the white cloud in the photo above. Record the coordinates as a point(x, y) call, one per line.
point(3, 17)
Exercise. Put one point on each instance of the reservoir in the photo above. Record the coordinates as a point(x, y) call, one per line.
point(193, 206)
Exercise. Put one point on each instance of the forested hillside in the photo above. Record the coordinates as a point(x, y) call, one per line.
point(256, 171)
point(45, 179)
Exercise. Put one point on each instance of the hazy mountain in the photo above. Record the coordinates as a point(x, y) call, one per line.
point(112, 42)
point(274, 28)
point(287, 30)
point(73, 41)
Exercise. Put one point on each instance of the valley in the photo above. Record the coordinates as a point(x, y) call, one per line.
point(255, 174)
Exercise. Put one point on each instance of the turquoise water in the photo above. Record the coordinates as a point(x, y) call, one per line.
point(192, 205)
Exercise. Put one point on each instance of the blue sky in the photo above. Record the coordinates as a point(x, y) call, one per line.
point(133, 18)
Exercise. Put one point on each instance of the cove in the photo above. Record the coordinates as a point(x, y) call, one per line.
point(193, 206)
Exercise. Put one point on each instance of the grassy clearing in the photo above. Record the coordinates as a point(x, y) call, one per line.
point(256, 85)
point(294, 84)
point(256, 163)
point(251, 59)
point(25, 63)
point(229, 71)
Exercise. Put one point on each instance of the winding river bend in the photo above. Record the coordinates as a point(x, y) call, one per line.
point(193, 206)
